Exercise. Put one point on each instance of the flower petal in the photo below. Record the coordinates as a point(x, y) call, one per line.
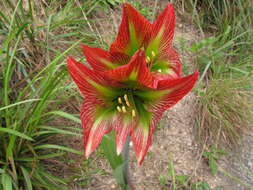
point(91, 83)
point(135, 71)
point(162, 31)
point(102, 60)
point(174, 90)
point(123, 128)
point(132, 31)
point(94, 126)
point(143, 132)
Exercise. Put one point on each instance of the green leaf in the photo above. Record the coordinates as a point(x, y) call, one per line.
point(213, 165)
point(14, 132)
point(53, 155)
point(109, 148)
point(65, 115)
point(27, 178)
point(118, 174)
point(18, 103)
point(58, 147)
point(181, 179)
point(6, 182)
point(57, 131)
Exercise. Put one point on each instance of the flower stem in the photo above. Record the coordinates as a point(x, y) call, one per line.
point(126, 168)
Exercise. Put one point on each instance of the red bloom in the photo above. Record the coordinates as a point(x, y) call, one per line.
point(136, 32)
point(126, 98)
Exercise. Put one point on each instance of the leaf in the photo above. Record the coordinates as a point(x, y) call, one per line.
point(181, 179)
point(58, 147)
point(213, 165)
point(109, 148)
point(65, 115)
point(14, 132)
point(57, 131)
point(27, 178)
point(6, 182)
point(18, 103)
point(118, 174)
point(53, 155)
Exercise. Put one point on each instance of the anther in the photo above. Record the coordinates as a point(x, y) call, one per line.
point(124, 109)
point(128, 104)
point(126, 100)
point(159, 70)
point(119, 108)
point(119, 100)
point(153, 53)
point(133, 113)
point(148, 59)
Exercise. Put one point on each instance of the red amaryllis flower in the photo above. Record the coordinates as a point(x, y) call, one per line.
point(128, 99)
point(136, 32)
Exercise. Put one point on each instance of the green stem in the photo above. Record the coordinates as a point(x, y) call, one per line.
point(126, 168)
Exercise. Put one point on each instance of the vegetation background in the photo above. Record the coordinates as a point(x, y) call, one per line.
point(39, 104)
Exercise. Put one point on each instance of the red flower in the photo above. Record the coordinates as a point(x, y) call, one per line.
point(134, 33)
point(128, 99)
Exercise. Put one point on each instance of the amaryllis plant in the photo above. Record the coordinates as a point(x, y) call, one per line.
point(128, 88)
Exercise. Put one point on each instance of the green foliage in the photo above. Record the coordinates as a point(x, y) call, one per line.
point(181, 182)
point(33, 87)
point(213, 156)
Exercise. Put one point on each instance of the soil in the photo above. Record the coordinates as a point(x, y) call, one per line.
point(173, 140)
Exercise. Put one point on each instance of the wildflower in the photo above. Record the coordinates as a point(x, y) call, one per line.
point(127, 98)
point(137, 32)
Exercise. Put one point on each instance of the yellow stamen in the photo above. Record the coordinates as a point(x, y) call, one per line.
point(126, 98)
point(159, 70)
point(124, 109)
point(119, 109)
point(119, 100)
point(133, 113)
point(148, 59)
point(153, 53)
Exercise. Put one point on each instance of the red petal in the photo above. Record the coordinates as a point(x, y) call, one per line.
point(85, 78)
point(132, 31)
point(102, 60)
point(93, 131)
point(172, 57)
point(135, 71)
point(162, 31)
point(142, 138)
point(123, 129)
point(177, 89)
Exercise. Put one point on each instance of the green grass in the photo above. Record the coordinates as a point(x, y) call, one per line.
point(37, 37)
point(225, 64)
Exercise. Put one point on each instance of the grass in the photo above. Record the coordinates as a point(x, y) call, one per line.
point(35, 41)
point(224, 61)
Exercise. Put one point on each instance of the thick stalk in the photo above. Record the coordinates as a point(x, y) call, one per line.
point(126, 167)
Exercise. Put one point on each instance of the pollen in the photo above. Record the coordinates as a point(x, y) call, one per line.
point(119, 109)
point(153, 53)
point(133, 113)
point(124, 109)
point(126, 100)
point(120, 100)
point(148, 59)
